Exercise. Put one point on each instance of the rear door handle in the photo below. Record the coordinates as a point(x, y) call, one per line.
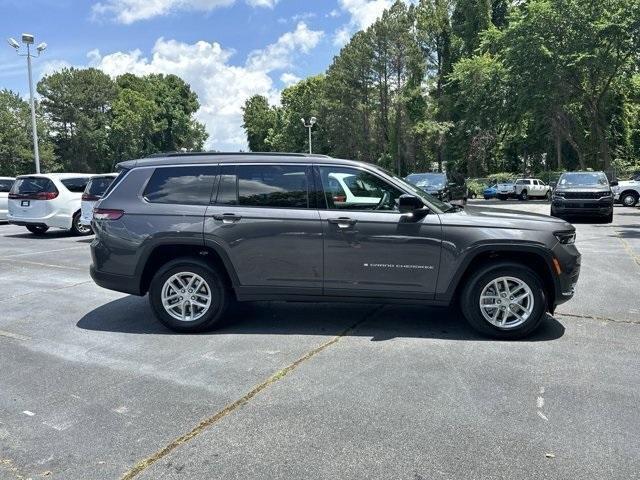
point(228, 218)
point(343, 222)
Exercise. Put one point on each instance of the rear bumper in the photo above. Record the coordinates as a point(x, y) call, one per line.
point(53, 221)
point(119, 283)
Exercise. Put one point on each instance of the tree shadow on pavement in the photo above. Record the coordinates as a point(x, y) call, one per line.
point(133, 315)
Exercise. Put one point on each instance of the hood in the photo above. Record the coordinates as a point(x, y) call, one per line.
point(478, 216)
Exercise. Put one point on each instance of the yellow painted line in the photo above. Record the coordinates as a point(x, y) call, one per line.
point(628, 248)
point(15, 336)
point(142, 465)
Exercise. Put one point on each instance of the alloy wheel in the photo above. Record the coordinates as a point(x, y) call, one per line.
point(506, 302)
point(186, 296)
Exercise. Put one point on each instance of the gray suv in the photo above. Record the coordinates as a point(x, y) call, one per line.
point(199, 232)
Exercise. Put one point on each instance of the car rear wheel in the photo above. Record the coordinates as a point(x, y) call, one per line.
point(524, 195)
point(504, 300)
point(187, 295)
point(37, 229)
point(78, 228)
point(629, 199)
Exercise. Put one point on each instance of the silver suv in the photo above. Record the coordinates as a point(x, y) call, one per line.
point(199, 232)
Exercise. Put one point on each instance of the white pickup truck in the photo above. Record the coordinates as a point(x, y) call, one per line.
point(524, 188)
point(628, 192)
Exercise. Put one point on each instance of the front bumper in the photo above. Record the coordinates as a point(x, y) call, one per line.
point(569, 260)
point(566, 206)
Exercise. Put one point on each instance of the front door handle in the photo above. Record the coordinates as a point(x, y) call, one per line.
point(343, 222)
point(228, 218)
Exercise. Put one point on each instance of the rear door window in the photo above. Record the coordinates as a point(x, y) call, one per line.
point(268, 186)
point(76, 185)
point(181, 185)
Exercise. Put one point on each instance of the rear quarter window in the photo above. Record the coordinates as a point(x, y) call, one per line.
point(181, 185)
point(75, 185)
point(5, 186)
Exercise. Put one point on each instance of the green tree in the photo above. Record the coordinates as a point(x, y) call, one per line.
point(16, 143)
point(258, 117)
point(78, 102)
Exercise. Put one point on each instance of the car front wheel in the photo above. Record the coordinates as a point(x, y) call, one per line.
point(187, 295)
point(504, 300)
point(629, 200)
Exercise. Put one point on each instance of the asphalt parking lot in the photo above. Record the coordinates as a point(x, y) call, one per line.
point(92, 387)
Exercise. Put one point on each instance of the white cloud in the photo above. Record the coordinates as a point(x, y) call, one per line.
point(362, 13)
point(289, 79)
point(278, 55)
point(222, 88)
point(130, 11)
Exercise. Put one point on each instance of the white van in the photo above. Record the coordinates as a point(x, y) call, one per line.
point(44, 201)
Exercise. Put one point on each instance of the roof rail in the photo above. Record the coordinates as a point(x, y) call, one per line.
point(262, 154)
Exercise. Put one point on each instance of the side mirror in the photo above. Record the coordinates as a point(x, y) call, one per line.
point(613, 183)
point(409, 203)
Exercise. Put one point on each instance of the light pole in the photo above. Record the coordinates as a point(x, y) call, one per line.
point(28, 40)
point(312, 122)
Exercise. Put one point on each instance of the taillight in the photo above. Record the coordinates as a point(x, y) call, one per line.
point(107, 214)
point(46, 195)
point(90, 198)
point(33, 196)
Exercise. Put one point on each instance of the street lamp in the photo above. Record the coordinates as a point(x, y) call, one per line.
point(309, 125)
point(29, 40)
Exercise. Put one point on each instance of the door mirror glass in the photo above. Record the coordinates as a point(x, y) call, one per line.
point(614, 183)
point(409, 203)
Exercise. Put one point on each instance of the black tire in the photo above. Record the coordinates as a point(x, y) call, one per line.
point(629, 199)
point(554, 214)
point(608, 218)
point(470, 299)
point(37, 229)
point(502, 197)
point(77, 228)
point(218, 288)
point(524, 196)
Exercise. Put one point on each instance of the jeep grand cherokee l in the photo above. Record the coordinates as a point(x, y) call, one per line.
point(583, 194)
point(201, 231)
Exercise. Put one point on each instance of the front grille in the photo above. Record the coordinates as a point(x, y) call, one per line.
point(582, 205)
point(585, 195)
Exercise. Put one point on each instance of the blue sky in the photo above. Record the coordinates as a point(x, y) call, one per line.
point(226, 49)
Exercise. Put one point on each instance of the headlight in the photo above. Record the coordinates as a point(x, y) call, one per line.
point(566, 238)
point(605, 194)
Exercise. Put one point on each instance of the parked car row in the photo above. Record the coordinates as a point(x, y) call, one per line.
point(54, 200)
point(5, 187)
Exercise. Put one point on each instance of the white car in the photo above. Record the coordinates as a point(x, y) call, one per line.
point(627, 192)
point(92, 193)
point(44, 201)
point(348, 189)
point(5, 187)
point(524, 188)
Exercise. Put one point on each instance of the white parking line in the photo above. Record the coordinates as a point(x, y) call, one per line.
point(64, 267)
point(7, 257)
point(15, 336)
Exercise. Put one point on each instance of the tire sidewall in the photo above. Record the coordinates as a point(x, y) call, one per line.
point(74, 228)
point(633, 202)
point(217, 286)
point(470, 299)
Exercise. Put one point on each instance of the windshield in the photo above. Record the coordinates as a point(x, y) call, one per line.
point(439, 204)
point(431, 180)
point(583, 179)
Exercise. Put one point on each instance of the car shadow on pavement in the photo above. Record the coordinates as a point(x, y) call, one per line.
point(133, 315)
point(47, 236)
